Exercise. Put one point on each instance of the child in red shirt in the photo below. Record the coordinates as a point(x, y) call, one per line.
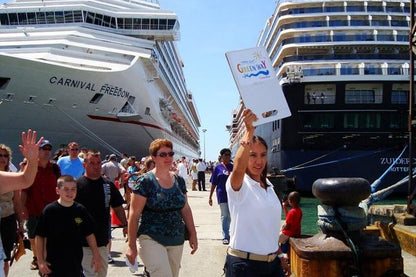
point(292, 226)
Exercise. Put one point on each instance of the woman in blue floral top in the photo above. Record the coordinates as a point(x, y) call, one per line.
point(159, 200)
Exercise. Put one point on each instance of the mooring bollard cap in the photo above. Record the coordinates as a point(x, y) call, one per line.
point(341, 191)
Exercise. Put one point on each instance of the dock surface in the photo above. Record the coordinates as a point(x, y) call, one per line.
point(208, 261)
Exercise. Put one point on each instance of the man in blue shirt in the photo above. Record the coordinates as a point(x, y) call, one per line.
point(72, 164)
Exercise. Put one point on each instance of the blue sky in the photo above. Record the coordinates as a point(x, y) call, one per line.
point(208, 30)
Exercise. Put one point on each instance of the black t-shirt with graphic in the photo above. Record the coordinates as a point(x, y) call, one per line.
point(64, 229)
point(97, 196)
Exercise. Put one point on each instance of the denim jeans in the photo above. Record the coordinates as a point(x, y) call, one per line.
point(225, 220)
point(239, 267)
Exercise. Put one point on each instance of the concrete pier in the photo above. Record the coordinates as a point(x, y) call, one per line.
point(207, 262)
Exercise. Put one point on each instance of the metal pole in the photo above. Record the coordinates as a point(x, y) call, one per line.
point(204, 130)
point(410, 121)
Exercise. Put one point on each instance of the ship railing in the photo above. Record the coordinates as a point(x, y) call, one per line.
point(164, 27)
point(289, 77)
point(323, 39)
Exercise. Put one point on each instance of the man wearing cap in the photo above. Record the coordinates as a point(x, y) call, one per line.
point(41, 193)
point(72, 164)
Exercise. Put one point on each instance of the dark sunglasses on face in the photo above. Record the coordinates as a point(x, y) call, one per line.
point(74, 149)
point(46, 148)
point(165, 154)
point(227, 154)
point(4, 155)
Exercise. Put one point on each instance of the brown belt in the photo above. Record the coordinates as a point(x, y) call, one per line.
point(251, 256)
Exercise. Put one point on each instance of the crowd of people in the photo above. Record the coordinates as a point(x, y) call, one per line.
point(66, 201)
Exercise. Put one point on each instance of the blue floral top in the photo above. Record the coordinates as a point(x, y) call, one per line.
point(161, 217)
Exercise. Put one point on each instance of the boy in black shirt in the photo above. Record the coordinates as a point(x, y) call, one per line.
point(62, 226)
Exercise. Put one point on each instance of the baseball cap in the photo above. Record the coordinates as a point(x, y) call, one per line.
point(44, 143)
point(112, 156)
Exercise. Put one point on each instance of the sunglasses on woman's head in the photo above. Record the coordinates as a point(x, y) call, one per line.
point(165, 154)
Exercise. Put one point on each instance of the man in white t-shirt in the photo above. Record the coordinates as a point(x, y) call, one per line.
point(112, 169)
point(201, 167)
point(182, 169)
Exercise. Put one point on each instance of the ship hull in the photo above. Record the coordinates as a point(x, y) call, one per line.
point(370, 165)
point(57, 101)
point(337, 152)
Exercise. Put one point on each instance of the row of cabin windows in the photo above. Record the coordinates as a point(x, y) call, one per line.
point(30, 18)
point(348, 8)
point(354, 120)
point(356, 97)
point(339, 36)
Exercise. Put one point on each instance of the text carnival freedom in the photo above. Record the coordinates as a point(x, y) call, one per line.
point(85, 85)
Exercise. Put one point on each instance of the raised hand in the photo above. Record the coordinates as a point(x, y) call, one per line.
point(29, 147)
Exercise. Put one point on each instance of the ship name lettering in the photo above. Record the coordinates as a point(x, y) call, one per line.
point(250, 68)
point(114, 90)
point(400, 169)
point(66, 82)
point(391, 160)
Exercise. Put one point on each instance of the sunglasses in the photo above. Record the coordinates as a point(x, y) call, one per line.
point(165, 154)
point(226, 154)
point(74, 149)
point(46, 148)
point(7, 155)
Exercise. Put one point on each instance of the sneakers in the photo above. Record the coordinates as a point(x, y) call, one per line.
point(225, 241)
point(34, 264)
point(110, 260)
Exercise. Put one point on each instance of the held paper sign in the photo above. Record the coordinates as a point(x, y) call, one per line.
point(257, 83)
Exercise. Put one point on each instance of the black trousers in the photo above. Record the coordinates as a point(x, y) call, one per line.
point(201, 180)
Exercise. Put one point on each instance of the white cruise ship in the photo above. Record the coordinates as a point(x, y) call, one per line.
point(344, 69)
point(106, 74)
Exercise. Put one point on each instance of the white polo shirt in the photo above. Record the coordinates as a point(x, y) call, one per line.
point(255, 217)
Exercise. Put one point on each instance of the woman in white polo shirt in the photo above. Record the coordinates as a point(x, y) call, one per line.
point(255, 211)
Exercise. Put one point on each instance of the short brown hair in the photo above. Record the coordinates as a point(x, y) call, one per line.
point(72, 144)
point(92, 153)
point(294, 196)
point(157, 144)
point(63, 179)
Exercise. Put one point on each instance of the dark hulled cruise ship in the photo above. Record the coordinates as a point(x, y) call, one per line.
point(344, 69)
